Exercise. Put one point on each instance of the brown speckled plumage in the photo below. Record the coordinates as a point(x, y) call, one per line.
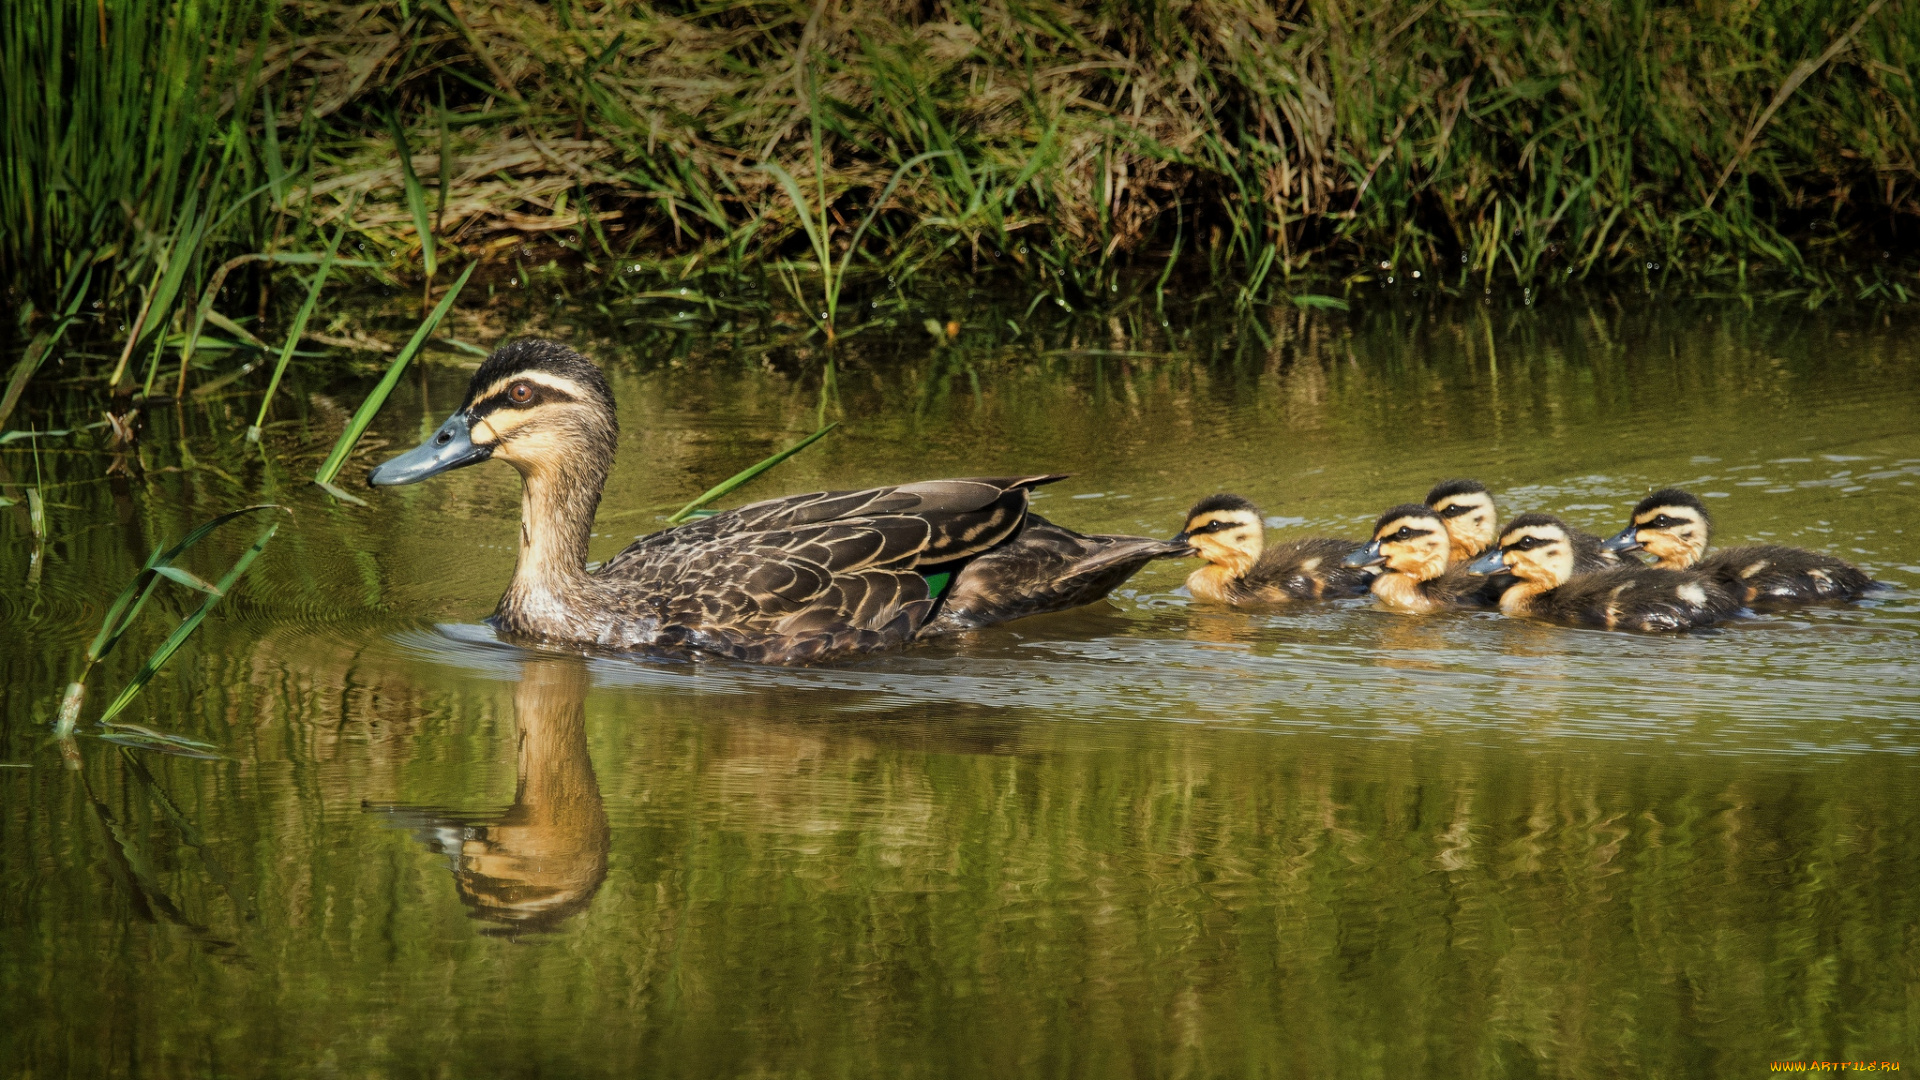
point(793, 580)
point(1675, 527)
point(1538, 550)
point(1228, 532)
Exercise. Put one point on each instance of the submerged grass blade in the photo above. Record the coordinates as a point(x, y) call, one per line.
point(730, 483)
point(363, 416)
point(119, 617)
point(186, 628)
point(126, 606)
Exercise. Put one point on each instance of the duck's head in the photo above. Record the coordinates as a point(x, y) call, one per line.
point(1536, 548)
point(539, 406)
point(1410, 540)
point(1671, 525)
point(1226, 530)
point(1467, 509)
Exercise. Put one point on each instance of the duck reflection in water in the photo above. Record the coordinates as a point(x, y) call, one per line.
point(531, 866)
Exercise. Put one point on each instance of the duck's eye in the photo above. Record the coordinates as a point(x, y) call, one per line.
point(520, 393)
point(1403, 534)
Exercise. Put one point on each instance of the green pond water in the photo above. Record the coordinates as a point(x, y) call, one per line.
point(1147, 838)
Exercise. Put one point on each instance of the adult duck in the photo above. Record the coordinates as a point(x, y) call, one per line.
point(793, 580)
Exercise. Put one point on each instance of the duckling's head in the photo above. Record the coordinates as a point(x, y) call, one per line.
point(1467, 509)
point(1536, 548)
point(1226, 530)
point(1410, 540)
point(537, 405)
point(1671, 525)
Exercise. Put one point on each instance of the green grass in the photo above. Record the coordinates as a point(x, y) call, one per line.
point(133, 599)
point(150, 143)
point(363, 416)
point(725, 487)
point(124, 133)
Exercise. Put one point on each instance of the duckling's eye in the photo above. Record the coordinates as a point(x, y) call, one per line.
point(1403, 534)
point(520, 393)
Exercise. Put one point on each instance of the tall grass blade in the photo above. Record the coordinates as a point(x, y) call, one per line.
point(37, 350)
point(416, 195)
point(446, 164)
point(730, 483)
point(363, 416)
point(298, 328)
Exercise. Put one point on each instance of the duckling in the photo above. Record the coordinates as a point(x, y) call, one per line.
point(792, 580)
point(1413, 544)
point(1472, 524)
point(1228, 532)
point(1673, 526)
point(1466, 507)
point(1538, 550)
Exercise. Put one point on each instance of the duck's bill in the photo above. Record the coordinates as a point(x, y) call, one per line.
point(1490, 563)
point(1623, 541)
point(451, 447)
point(1366, 556)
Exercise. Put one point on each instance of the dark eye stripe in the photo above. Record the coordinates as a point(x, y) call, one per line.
point(542, 395)
point(1456, 510)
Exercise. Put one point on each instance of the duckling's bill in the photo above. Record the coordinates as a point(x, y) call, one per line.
point(1627, 539)
point(1366, 556)
point(1490, 563)
point(451, 447)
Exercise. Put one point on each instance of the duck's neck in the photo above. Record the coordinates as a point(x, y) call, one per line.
point(550, 589)
point(1216, 582)
point(1519, 597)
point(1404, 591)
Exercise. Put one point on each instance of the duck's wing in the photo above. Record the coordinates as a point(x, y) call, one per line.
point(1646, 599)
point(1458, 588)
point(1310, 568)
point(1773, 574)
point(1046, 567)
point(812, 577)
point(952, 507)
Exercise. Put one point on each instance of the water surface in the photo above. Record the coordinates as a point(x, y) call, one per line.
point(1146, 838)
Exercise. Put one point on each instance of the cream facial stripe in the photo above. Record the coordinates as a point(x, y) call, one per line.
point(496, 415)
point(1215, 521)
point(1680, 515)
point(1538, 534)
point(1411, 524)
point(495, 396)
